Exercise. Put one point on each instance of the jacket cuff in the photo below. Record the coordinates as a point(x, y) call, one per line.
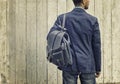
point(98, 70)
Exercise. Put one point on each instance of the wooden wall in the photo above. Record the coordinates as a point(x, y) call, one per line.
point(24, 25)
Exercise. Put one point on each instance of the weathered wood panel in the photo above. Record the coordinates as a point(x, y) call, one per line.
point(115, 41)
point(91, 9)
point(107, 40)
point(3, 43)
point(69, 5)
point(41, 31)
point(31, 42)
point(20, 41)
point(11, 30)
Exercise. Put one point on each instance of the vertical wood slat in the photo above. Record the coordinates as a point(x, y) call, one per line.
point(12, 38)
point(3, 43)
point(115, 40)
point(20, 41)
point(61, 9)
point(7, 41)
point(2, 34)
point(41, 41)
point(31, 42)
point(52, 14)
point(107, 41)
point(99, 14)
point(7, 46)
point(69, 5)
point(91, 9)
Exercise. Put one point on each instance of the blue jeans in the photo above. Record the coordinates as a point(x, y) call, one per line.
point(85, 78)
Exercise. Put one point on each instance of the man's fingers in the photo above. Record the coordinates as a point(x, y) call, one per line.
point(97, 75)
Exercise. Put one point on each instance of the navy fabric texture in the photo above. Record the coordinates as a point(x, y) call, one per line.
point(84, 33)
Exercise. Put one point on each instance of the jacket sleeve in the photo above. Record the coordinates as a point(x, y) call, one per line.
point(96, 45)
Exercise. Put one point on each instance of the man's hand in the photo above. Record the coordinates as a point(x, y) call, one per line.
point(97, 74)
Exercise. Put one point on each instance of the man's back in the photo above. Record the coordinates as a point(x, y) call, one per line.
point(84, 32)
point(85, 37)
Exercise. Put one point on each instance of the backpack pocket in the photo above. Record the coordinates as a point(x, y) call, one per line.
point(60, 56)
point(56, 57)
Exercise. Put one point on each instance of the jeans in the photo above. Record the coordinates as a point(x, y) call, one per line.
point(85, 78)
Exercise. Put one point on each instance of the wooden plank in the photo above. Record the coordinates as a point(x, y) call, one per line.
point(91, 7)
point(69, 5)
point(7, 44)
point(61, 6)
point(31, 42)
point(115, 41)
point(20, 41)
point(107, 48)
point(11, 26)
point(99, 14)
point(6, 59)
point(41, 41)
point(52, 15)
point(3, 40)
point(3, 44)
point(61, 10)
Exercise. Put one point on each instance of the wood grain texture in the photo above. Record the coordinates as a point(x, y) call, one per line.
point(41, 31)
point(91, 9)
point(107, 47)
point(69, 5)
point(2, 34)
point(115, 41)
point(20, 41)
point(11, 29)
point(3, 43)
point(31, 42)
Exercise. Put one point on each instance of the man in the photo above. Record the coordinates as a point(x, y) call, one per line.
point(84, 33)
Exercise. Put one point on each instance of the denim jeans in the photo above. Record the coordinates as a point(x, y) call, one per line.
point(85, 78)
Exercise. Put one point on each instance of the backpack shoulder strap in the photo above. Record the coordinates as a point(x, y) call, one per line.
point(64, 18)
point(58, 40)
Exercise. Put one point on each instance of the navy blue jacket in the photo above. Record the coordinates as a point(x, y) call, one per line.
point(84, 32)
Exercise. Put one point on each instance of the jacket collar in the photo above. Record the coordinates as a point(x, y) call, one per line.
point(78, 9)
